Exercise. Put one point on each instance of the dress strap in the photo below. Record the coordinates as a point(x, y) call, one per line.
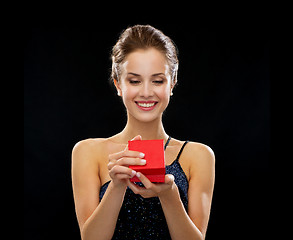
point(166, 144)
point(178, 156)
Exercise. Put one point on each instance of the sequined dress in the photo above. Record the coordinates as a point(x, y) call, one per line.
point(143, 218)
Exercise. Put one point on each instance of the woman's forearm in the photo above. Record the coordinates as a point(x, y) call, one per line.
point(179, 223)
point(103, 220)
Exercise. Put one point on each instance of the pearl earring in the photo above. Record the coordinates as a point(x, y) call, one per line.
point(171, 94)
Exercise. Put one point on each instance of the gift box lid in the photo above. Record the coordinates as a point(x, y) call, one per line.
point(154, 156)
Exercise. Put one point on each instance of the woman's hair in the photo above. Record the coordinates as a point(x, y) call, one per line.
point(143, 37)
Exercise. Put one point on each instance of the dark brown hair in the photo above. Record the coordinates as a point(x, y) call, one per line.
point(143, 37)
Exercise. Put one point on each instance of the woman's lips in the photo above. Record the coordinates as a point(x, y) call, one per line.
point(146, 105)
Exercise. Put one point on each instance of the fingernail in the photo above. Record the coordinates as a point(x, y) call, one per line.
point(141, 155)
point(133, 173)
point(138, 174)
point(171, 177)
point(143, 162)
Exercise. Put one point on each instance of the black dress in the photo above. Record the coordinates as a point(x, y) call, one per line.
point(143, 218)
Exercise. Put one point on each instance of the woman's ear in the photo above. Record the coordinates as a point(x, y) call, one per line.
point(172, 87)
point(116, 83)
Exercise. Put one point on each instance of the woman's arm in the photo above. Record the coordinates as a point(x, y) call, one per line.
point(103, 220)
point(94, 218)
point(99, 219)
point(201, 183)
point(179, 223)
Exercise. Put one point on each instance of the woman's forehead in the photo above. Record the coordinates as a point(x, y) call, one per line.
point(145, 62)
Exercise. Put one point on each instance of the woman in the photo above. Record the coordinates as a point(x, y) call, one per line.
point(108, 205)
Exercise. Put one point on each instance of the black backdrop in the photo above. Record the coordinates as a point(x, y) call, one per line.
point(222, 99)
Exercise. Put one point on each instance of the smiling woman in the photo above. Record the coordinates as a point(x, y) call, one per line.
point(108, 205)
point(145, 84)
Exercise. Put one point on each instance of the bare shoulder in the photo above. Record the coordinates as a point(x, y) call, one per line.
point(90, 154)
point(200, 150)
point(86, 158)
point(200, 157)
point(89, 144)
point(88, 148)
point(86, 182)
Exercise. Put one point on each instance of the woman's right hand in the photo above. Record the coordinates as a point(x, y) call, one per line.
point(118, 164)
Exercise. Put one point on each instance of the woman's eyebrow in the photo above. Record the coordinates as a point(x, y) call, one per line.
point(157, 74)
point(135, 74)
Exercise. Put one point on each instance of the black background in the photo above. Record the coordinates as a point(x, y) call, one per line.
point(222, 99)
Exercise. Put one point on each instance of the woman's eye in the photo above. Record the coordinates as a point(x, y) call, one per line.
point(134, 81)
point(158, 81)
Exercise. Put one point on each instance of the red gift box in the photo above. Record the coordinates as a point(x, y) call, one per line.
point(154, 169)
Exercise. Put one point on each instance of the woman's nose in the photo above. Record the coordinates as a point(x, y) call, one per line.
point(146, 90)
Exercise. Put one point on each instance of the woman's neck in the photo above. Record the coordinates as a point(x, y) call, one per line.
point(147, 130)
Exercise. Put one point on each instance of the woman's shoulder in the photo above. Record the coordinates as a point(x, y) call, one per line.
point(91, 148)
point(194, 147)
point(196, 152)
point(90, 144)
point(199, 149)
point(200, 156)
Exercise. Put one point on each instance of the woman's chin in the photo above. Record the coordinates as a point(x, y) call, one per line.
point(145, 118)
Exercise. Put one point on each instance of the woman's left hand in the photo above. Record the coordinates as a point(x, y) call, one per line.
point(152, 189)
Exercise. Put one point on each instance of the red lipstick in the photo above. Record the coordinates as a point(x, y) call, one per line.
point(146, 105)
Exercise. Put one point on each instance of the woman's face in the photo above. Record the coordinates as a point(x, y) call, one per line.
point(145, 84)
